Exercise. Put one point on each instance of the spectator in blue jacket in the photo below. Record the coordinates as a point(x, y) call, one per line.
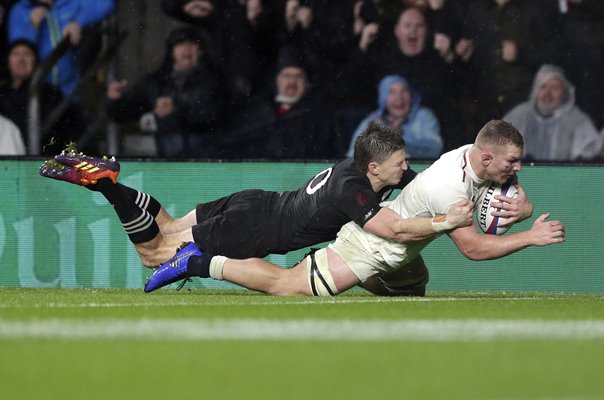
point(46, 22)
point(399, 106)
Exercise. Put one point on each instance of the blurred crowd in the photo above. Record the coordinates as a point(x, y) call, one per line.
point(301, 79)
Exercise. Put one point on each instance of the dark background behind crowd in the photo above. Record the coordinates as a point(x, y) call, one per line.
point(297, 79)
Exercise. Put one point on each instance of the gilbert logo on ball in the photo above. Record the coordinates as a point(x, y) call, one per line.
point(487, 222)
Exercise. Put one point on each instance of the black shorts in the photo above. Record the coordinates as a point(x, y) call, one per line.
point(235, 226)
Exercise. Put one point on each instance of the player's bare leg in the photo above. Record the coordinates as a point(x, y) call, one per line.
point(162, 247)
point(263, 276)
point(168, 224)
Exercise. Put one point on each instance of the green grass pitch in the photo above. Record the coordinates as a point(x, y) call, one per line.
point(203, 344)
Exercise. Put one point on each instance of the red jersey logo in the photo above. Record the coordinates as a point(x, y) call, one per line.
point(361, 199)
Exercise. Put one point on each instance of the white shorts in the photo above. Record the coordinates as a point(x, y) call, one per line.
point(361, 253)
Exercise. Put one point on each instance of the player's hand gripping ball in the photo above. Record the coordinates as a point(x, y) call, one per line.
point(487, 222)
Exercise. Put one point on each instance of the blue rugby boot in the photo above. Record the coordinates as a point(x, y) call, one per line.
point(175, 269)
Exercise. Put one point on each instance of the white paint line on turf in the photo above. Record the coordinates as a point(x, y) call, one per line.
point(278, 301)
point(312, 329)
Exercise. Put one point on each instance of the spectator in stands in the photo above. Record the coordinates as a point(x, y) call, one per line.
point(399, 107)
point(46, 22)
point(291, 121)
point(581, 24)
point(330, 44)
point(504, 43)
point(5, 6)
point(553, 127)
point(15, 95)
point(240, 39)
point(11, 143)
point(180, 102)
point(409, 52)
point(444, 19)
point(600, 158)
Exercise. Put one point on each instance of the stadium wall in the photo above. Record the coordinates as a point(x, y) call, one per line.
point(53, 234)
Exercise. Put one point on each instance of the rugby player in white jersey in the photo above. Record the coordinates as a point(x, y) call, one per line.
point(381, 266)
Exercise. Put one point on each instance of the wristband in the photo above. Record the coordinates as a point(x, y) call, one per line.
point(440, 223)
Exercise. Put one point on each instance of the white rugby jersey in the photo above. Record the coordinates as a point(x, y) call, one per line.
point(432, 192)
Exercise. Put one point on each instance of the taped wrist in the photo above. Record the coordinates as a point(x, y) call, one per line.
point(440, 224)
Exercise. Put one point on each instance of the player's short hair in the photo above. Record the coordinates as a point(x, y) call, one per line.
point(499, 133)
point(376, 143)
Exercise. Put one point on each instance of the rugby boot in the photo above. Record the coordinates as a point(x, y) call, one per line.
point(89, 169)
point(54, 170)
point(175, 269)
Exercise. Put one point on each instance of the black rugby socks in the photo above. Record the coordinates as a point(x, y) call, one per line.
point(199, 265)
point(136, 210)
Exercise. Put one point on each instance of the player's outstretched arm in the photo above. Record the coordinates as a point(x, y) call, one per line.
point(478, 246)
point(389, 225)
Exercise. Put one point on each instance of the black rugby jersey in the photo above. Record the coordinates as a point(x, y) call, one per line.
point(315, 213)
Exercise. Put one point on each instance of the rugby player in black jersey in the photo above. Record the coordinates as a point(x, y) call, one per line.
point(255, 223)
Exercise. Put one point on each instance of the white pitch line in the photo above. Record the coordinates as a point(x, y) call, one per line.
point(311, 329)
point(201, 302)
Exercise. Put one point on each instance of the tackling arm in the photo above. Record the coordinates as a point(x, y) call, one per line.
point(389, 225)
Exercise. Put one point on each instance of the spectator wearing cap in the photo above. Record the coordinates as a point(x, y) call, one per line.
point(399, 106)
point(179, 103)
point(288, 121)
point(553, 127)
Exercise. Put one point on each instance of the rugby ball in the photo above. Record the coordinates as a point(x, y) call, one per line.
point(487, 222)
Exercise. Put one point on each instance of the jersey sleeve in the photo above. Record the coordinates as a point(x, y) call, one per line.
point(440, 201)
point(360, 203)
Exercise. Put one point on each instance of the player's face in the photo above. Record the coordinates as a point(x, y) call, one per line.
point(505, 163)
point(392, 169)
